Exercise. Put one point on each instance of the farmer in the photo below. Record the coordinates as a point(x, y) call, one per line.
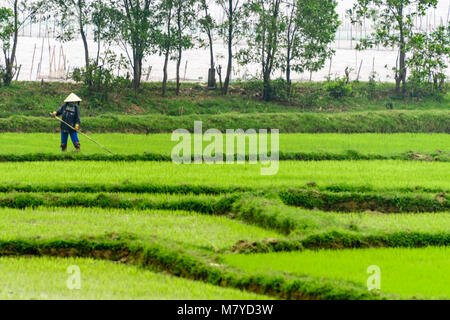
point(70, 112)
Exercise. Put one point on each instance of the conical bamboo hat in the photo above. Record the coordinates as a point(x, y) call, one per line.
point(73, 98)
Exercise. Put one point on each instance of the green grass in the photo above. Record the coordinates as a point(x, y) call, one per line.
point(405, 272)
point(24, 107)
point(378, 144)
point(45, 278)
point(32, 98)
point(193, 229)
point(434, 121)
point(372, 174)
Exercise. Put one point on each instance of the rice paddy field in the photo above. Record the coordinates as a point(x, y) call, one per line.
point(331, 143)
point(138, 226)
point(351, 264)
point(45, 278)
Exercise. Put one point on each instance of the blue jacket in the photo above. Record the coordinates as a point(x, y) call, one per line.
point(71, 114)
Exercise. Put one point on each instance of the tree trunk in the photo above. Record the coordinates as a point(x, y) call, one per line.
point(9, 61)
point(212, 78)
point(267, 92)
point(86, 50)
point(166, 62)
point(178, 70)
point(288, 72)
point(179, 45)
point(219, 72)
point(228, 75)
point(167, 53)
point(271, 51)
point(212, 68)
point(402, 75)
point(290, 40)
point(97, 59)
point(137, 72)
point(230, 47)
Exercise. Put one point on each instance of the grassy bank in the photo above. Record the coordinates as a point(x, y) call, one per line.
point(312, 199)
point(355, 122)
point(35, 99)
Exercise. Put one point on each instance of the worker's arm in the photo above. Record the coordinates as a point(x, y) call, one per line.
point(60, 111)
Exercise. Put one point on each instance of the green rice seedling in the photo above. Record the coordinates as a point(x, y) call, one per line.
point(421, 272)
point(371, 175)
point(48, 278)
point(367, 222)
point(193, 265)
point(192, 229)
point(324, 143)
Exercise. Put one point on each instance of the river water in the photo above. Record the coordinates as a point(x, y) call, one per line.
point(195, 63)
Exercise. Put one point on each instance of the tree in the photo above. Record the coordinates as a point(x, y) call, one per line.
point(99, 20)
point(393, 24)
point(166, 39)
point(73, 17)
point(208, 25)
point(429, 52)
point(6, 30)
point(136, 31)
point(230, 31)
point(263, 39)
point(184, 19)
point(310, 28)
point(12, 19)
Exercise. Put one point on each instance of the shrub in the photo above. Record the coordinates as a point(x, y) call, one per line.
point(372, 86)
point(338, 89)
point(429, 52)
point(99, 78)
point(252, 87)
point(279, 90)
point(309, 100)
point(417, 88)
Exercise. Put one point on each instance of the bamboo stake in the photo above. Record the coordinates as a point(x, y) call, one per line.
point(357, 77)
point(185, 69)
point(32, 62)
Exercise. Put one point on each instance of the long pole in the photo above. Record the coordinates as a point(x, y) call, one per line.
point(61, 120)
